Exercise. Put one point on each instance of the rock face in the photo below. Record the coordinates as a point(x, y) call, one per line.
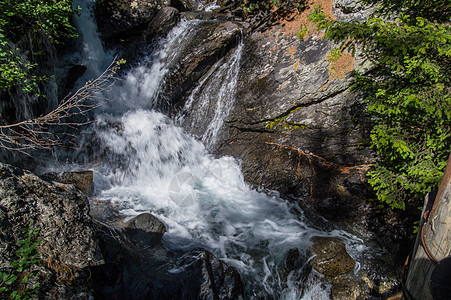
point(68, 243)
point(331, 258)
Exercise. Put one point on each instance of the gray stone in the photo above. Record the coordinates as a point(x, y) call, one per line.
point(81, 179)
point(123, 20)
point(163, 22)
point(330, 256)
point(147, 223)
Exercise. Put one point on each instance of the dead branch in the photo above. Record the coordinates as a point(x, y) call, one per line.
point(33, 134)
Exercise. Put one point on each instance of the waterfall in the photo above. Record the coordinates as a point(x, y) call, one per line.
point(144, 162)
point(213, 99)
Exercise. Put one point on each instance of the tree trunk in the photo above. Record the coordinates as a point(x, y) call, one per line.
point(433, 241)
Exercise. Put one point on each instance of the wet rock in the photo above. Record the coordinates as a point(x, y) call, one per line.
point(211, 42)
point(183, 5)
point(344, 288)
point(68, 245)
point(146, 222)
point(81, 179)
point(139, 267)
point(163, 22)
point(331, 258)
point(68, 82)
point(289, 264)
point(217, 279)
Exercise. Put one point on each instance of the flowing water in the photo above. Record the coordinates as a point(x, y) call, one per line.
point(144, 162)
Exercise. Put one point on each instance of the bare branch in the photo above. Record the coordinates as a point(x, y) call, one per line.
point(35, 134)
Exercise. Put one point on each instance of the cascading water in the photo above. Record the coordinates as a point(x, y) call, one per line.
point(145, 163)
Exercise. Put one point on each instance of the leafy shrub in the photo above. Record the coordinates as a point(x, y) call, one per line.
point(16, 283)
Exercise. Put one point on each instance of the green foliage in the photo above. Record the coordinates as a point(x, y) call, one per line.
point(29, 23)
point(27, 256)
point(334, 55)
point(302, 32)
point(408, 92)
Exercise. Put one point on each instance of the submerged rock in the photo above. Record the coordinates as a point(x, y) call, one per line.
point(289, 264)
point(331, 258)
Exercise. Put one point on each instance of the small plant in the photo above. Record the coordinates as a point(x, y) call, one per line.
point(334, 55)
point(302, 32)
point(15, 283)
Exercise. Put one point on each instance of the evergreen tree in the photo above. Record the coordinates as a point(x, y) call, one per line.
point(408, 44)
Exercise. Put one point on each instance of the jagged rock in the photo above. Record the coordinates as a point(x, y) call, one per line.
point(218, 280)
point(331, 258)
point(81, 179)
point(68, 243)
point(163, 22)
point(211, 42)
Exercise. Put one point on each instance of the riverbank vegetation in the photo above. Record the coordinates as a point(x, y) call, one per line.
point(407, 88)
point(28, 28)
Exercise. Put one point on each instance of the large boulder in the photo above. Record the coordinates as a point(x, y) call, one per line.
point(68, 247)
point(139, 267)
point(163, 22)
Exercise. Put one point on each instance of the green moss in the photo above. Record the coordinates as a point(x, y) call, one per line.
point(279, 123)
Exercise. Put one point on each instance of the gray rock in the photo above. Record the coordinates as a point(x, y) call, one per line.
point(147, 223)
point(139, 267)
point(125, 19)
point(163, 22)
point(330, 256)
point(81, 179)
point(296, 128)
